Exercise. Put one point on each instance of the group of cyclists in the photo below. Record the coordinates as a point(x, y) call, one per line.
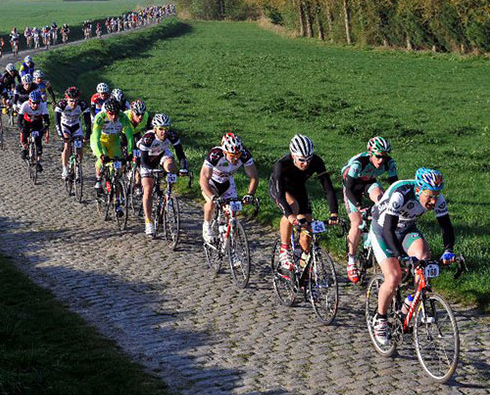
point(141, 17)
point(116, 128)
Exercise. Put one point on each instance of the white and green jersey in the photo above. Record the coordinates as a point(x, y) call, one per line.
point(401, 201)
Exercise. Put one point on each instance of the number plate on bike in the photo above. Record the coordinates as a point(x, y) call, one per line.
point(137, 153)
point(117, 164)
point(318, 227)
point(431, 271)
point(34, 134)
point(236, 205)
point(77, 143)
point(171, 178)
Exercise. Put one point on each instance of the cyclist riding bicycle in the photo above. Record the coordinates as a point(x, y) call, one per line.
point(68, 118)
point(155, 151)
point(10, 76)
point(359, 180)
point(14, 37)
point(118, 94)
point(216, 178)
point(98, 99)
point(33, 116)
point(27, 67)
point(395, 237)
point(22, 91)
point(105, 140)
point(44, 86)
point(287, 189)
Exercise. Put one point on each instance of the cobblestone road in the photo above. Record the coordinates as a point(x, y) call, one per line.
point(196, 331)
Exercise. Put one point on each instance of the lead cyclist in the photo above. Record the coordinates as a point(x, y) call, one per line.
point(395, 237)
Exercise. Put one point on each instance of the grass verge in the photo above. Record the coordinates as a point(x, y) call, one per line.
point(45, 349)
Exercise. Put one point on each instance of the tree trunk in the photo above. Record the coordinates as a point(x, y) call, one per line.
point(386, 43)
point(301, 17)
point(309, 18)
point(329, 22)
point(409, 44)
point(319, 22)
point(347, 21)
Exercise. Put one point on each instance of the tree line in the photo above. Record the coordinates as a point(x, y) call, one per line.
point(440, 25)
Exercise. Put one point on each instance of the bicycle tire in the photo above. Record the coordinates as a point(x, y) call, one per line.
point(33, 162)
point(157, 213)
point(2, 138)
point(436, 337)
point(372, 293)
point(323, 287)
point(285, 289)
point(213, 253)
point(121, 221)
point(171, 221)
point(239, 256)
point(78, 182)
point(101, 200)
point(69, 180)
point(109, 207)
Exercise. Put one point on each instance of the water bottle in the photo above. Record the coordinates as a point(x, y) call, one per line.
point(222, 229)
point(407, 303)
point(304, 259)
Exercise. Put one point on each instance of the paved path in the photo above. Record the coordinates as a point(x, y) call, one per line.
point(196, 331)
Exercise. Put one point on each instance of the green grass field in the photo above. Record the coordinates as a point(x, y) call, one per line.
point(46, 350)
point(215, 76)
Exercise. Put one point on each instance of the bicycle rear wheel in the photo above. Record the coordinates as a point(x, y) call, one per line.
point(69, 180)
point(33, 163)
point(214, 257)
point(436, 337)
point(371, 310)
point(78, 182)
point(323, 287)
point(285, 286)
point(239, 256)
point(122, 215)
point(171, 222)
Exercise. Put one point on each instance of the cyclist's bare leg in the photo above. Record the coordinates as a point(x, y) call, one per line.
point(66, 150)
point(393, 275)
point(208, 209)
point(147, 183)
point(169, 165)
point(304, 240)
point(354, 232)
point(375, 194)
point(286, 227)
point(419, 249)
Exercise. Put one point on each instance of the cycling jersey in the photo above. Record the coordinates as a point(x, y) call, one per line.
point(69, 120)
point(21, 95)
point(223, 170)
point(25, 69)
point(96, 103)
point(9, 79)
point(286, 177)
point(14, 36)
point(45, 86)
point(105, 138)
point(140, 127)
point(27, 114)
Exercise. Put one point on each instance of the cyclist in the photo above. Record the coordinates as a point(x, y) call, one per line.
point(14, 38)
point(22, 91)
point(33, 115)
point(36, 33)
point(98, 99)
point(10, 76)
point(98, 30)
point(28, 36)
point(118, 94)
point(46, 36)
point(287, 189)
point(216, 178)
point(27, 67)
point(105, 140)
point(54, 32)
point(155, 151)
point(68, 118)
point(359, 179)
point(65, 31)
point(395, 237)
point(44, 86)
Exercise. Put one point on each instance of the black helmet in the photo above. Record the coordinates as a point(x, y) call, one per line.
point(111, 105)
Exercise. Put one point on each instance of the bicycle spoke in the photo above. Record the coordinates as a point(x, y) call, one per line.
point(239, 256)
point(323, 287)
point(285, 285)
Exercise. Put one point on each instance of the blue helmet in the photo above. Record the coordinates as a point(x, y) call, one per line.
point(35, 97)
point(429, 179)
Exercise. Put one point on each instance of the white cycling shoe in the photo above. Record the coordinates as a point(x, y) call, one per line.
point(207, 233)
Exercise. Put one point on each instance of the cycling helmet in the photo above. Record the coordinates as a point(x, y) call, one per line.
point(102, 88)
point(138, 107)
point(231, 143)
point(161, 120)
point(378, 145)
point(72, 93)
point(301, 145)
point(10, 67)
point(429, 179)
point(35, 97)
point(112, 105)
point(26, 79)
point(38, 74)
point(28, 59)
point(117, 94)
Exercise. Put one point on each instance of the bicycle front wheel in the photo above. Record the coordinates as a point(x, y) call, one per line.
point(78, 182)
point(436, 337)
point(323, 287)
point(121, 212)
point(171, 222)
point(239, 256)
point(285, 284)
point(371, 310)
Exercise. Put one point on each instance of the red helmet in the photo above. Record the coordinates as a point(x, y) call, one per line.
point(72, 93)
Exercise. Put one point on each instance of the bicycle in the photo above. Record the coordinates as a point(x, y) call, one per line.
point(316, 277)
point(365, 253)
point(135, 192)
point(15, 48)
point(2, 138)
point(231, 240)
point(435, 332)
point(112, 197)
point(32, 154)
point(75, 175)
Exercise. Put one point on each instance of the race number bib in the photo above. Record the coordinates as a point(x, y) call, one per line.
point(318, 227)
point(78, 143)
point(236, 205)
point(431, 271)
point(171, 178)
point(117, 164)
point(34, 134)
point(137, 153)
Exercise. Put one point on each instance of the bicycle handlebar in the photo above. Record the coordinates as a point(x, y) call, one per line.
point(459, 260)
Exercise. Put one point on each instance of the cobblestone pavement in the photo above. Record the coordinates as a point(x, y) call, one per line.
point(196, 331)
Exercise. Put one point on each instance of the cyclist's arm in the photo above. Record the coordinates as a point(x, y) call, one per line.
point(51, 93)
point(350, 181)
point(20, 120)
point(329, 191)
point(57, 120)
point(280, 191)
point(46, 120)
point(389, 233)
point(204, 177)
point(447, 232)
point(392, 172)
point(253, 174)
point(128, 131)
point(95, 144)
point(88, 124)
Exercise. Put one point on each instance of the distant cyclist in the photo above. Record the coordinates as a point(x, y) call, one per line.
point(22, 91)
point(99, 98)
point(216, 178)
point(359, 180)
point(118, 94)
point(287, 189)
point(27, 67)
point(10, 77)
point(395, 236)
point(44, 86)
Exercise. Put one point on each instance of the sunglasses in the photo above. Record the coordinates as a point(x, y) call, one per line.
point(35, 103)
point(163, 128)
point(111, 113)
point(431, 194)
point(233, 155)
point(72, 100)
point(377, 156)
point(302, 159)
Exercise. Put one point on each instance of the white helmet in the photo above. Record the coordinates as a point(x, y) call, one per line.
point(38, 74)
point(10, 67)
point(117, 94)
point(28, 59)
point(102, 88)
point(231, 143)
point(160, 120)
point(301, 146)
point(26, 79)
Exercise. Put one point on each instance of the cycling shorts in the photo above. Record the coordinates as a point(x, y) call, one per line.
point(360, 190)
point(225, 190)
point(110, 150)
point(299, 194)
point(73, 130)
